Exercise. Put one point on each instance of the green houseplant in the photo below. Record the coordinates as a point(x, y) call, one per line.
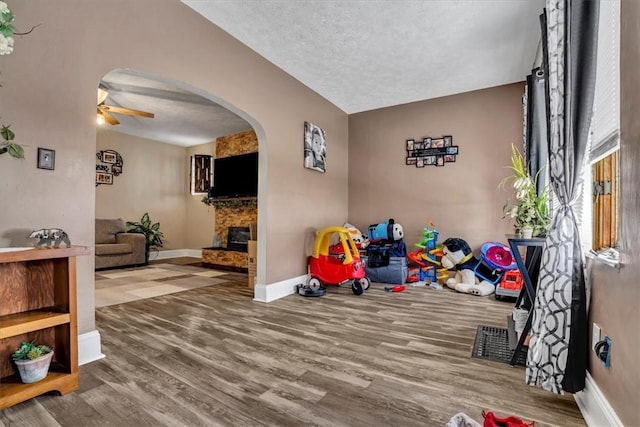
point(33, 361)
point(528, 209)
point(152, 233)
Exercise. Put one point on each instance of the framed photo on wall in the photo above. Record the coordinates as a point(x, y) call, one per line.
point(104, 178)
point(315, 148)
point(46, 158)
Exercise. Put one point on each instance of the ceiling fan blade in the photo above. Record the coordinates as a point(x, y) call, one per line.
point(102, 95)
point(108, 117)
point(128, 111)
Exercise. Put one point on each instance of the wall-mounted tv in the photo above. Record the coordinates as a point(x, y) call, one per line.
point(235, 176)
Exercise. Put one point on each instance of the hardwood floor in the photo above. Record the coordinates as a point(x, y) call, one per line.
point(213, 357)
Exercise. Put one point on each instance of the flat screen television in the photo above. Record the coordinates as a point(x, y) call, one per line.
point(235, 176)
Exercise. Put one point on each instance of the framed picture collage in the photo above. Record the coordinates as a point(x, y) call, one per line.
point(431, 151)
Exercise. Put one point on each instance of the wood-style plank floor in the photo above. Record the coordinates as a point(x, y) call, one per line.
point(213, 357)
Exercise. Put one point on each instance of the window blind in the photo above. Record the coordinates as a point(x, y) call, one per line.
point(606, 108)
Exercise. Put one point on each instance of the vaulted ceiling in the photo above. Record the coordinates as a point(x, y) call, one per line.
point(360, 55)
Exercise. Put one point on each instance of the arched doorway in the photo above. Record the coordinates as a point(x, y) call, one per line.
point(151, 174)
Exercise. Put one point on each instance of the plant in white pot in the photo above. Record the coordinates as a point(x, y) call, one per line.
point(528, 209)
point(32, 361)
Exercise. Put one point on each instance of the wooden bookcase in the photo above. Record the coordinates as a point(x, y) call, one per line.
point(38, 302)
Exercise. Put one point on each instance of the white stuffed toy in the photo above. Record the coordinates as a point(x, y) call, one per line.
point(457, 254)
point(359, 239)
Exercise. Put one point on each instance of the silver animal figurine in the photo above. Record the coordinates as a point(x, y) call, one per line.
point(50, 237)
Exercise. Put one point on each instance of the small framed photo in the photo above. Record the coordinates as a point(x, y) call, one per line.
point(439, 160)
point(437, 143)
point(104, 178)
point(448, 140)
point(449, 158)
point(411, 160)
point(108, 157)
point(430, 160)
point(46, 159)
point(452, 150)
point(420, 162)
point(426, 143)
point(410, 143)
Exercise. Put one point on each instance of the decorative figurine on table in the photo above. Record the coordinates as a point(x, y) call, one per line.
point(50, 237)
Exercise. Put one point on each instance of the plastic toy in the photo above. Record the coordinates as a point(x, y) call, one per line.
point(510, 285)
point(386, 232)
point(398, 288)
point(457, 254)
point(327, 269)
point(497, 256)
point(427, 257)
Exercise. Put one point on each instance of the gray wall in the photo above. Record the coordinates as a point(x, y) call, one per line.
point(615, 299)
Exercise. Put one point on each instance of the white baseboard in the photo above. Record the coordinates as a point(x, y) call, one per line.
point(274, 291)
point(175, 253)
point(595, 408)
point(89, 347)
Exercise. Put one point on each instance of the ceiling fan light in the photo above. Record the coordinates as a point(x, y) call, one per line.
point(100, 119)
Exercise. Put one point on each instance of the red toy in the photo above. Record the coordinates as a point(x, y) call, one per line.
point(397, 288)
point(338, 266)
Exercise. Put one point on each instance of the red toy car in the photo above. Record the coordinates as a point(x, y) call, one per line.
point(327, 268)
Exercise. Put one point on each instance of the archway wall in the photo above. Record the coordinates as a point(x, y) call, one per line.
point(49, 94)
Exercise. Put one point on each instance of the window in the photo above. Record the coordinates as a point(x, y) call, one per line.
point(200, 174)
point(600, 201)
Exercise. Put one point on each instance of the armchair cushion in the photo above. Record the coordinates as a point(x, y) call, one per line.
point(106, 230)
point(113, 249)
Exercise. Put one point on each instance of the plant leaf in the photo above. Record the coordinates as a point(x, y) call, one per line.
point(15, 150)
point(7, 134)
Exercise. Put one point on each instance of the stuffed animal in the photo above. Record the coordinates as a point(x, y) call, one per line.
point(359, 239)
point(457, 254)
point(389, 231)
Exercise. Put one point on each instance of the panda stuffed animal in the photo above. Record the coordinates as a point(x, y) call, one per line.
point(457, 254)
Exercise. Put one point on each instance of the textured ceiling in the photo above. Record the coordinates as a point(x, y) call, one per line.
point(362, 55)
point(181, 117)
point(359, 54)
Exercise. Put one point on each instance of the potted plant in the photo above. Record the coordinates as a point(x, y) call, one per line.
point(32, 361)
point(152, 233)
point(528, 209)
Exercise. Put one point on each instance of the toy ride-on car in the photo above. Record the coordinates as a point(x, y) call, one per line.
point(336, 267)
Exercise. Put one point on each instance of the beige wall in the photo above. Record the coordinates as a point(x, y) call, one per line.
point(200, 217)
point(462, 197)
point(154, 179)
point(49, 94)
point(615, 298)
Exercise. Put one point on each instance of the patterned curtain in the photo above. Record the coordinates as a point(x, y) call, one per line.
point(558, 350)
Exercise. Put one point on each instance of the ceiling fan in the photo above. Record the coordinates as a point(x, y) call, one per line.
point(105, 111)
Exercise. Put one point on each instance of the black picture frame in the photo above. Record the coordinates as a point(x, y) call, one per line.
point(104, 178)
point(46, 159)
point(448, 140)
